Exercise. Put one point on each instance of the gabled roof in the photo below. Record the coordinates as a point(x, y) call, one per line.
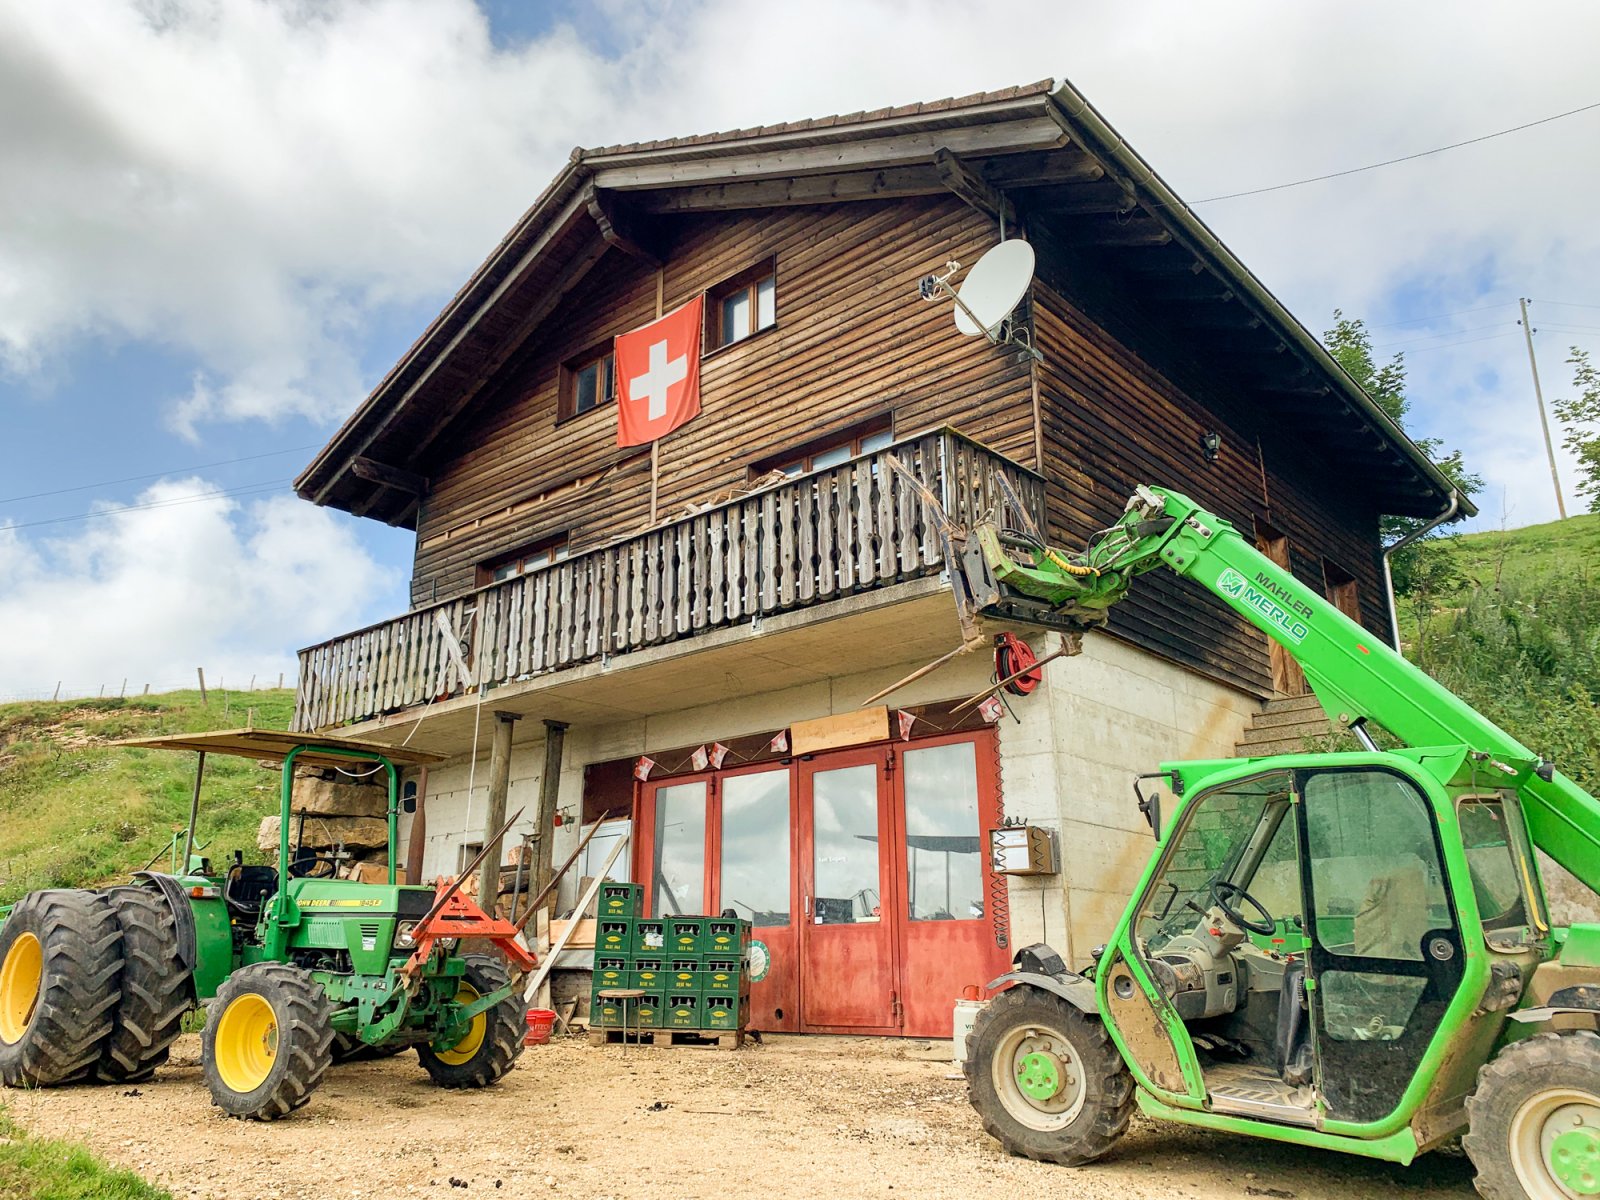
point(1040, 150)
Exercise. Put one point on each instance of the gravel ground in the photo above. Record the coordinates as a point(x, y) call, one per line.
point(796, 1117)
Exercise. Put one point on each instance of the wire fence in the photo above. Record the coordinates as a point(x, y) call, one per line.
point(130, 686)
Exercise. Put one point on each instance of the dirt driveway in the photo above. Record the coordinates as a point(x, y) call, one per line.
point(796, 1117)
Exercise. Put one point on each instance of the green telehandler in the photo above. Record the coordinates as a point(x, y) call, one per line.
point(1349, 951)
point(297, 968)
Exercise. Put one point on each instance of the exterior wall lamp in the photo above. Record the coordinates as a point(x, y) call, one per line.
point(1210, 445)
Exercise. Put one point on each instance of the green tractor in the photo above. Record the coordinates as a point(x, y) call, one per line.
point(297, 968)
point(1350, 951)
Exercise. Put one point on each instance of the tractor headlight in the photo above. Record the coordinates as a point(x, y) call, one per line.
point(405, 934)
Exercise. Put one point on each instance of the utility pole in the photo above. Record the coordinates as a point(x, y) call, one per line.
point(1544, 422)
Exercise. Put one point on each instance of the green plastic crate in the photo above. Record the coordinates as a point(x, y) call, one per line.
point(724, 1012)
point(648, 1011)
point(612, 973)
point(721, 977)
point(604, 1014)
point(614, 938)
point(726, 937)
point(649, 974)
point(684, 978)
point(686, 937)
point(620, 900)
point(649, 937)
point(683, 1011)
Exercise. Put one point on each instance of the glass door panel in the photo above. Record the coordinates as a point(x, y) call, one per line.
point(755, 847)
point(845, 846)
point(678, 880)
point(944, 867)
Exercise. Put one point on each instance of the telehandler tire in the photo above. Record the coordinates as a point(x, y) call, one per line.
point(1534, 1119)
point(268, 1041)
point(1045, 1079)
point(60, 961)
point(494, 1041)
point(157, 989)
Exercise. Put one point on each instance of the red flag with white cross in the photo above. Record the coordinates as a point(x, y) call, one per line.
point(658, 375)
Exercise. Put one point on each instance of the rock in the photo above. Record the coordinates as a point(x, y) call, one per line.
point(339, 799)
point(354, 833)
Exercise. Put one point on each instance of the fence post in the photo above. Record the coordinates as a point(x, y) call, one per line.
point(57, 696)
point(201, 672)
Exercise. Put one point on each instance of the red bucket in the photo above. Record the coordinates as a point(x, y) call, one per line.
point(540, 1021)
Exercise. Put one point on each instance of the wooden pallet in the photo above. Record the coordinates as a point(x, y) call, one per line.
point(731, 1040)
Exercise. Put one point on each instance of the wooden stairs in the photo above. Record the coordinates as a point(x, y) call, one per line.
point(1292, 725)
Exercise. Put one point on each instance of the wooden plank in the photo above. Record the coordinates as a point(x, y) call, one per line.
point(855, 728)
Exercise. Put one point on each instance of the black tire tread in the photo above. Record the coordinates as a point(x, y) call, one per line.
point(157, 989)
point(1112, 1100)
point(82, 947)
point(305, 1040)
point(502, 1041)
point(1508, 1081)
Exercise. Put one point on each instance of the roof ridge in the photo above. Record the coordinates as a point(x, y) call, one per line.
point(859, 117)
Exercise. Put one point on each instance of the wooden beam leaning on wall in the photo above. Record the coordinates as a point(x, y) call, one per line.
point(499, 787)
point(968, 184)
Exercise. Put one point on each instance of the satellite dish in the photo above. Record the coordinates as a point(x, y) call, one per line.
point(993, 288)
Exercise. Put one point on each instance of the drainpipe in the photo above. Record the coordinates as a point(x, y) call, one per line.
point(1448, 514)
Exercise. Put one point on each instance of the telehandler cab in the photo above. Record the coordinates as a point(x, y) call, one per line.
point(1343, 950)
point(297, 968)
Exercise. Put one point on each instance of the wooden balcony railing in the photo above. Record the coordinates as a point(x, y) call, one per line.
point(818, 537)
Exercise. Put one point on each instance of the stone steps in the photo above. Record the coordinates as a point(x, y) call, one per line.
point(1288, 725)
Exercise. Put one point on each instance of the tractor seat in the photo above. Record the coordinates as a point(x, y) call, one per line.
point(246, 888)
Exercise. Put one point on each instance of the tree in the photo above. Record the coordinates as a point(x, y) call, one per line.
point(1580, 418)
point(1419, 568)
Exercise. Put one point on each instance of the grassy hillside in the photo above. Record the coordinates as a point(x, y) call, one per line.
point(1529, 554)
point(77, 812)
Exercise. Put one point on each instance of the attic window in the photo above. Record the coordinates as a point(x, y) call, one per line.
point(742, 305)
point(524, 559)
point(587, 382)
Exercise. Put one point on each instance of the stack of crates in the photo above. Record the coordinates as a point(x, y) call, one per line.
point(691, 969)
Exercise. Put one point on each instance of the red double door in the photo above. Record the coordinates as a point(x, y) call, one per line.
point(864, 871)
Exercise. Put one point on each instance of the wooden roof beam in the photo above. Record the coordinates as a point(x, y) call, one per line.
point(615, 228)
point(974, 188)
point(397, 478)
point(1134, 231)
point(889, 183)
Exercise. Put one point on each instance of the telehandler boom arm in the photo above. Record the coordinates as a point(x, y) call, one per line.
point(1355, 675)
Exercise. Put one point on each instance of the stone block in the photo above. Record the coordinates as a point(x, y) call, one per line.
point(356, 834)
point(339, 799)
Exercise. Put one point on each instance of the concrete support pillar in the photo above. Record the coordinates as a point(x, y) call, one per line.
point(499, 786)
point(555, 736)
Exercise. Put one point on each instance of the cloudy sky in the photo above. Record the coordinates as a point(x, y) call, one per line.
point(221, 222)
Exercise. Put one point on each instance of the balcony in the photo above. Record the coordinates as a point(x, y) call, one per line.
point(806, 542)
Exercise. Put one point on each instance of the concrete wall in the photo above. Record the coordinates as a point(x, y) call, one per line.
point(1098, 720)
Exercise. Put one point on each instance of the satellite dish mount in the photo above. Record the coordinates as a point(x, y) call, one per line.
point(987, 299)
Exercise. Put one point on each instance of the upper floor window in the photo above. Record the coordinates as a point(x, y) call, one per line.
point(587, 382)
point(830, 451)
point(743, 305)
point(524, 559)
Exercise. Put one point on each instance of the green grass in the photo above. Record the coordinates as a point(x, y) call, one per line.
point(44, 1169)
point(1530, 553)
point(77, 812)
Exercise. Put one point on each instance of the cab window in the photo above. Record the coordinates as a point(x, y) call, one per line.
point(1492, 862)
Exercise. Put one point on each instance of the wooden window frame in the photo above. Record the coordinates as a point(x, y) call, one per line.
point(567, 398)
point(805, 455)
point(1342, 589)
point(545, 546)
point(748, 281)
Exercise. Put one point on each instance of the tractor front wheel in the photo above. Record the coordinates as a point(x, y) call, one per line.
point(1534, 1120)
point(1045, 1079)
point(268, 1041)
point(60, 958)
point(493, 1040)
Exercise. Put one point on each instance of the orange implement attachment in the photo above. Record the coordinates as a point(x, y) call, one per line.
point(456, 916)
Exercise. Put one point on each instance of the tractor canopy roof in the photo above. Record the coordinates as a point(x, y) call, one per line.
point(276, 744)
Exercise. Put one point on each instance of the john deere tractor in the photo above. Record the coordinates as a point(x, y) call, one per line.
point(296, 968)
point(1349, 951)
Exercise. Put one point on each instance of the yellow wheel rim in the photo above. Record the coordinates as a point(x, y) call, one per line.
point(20, 978)
point(246, 1045)
point(463, 1050)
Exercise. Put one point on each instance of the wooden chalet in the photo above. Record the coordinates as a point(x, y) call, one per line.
point(760, 571)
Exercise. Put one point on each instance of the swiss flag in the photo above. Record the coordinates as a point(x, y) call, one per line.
point(658, 375)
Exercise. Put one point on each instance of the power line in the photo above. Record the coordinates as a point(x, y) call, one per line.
point(1436, 316)
point(84, 487)
point(1464, 342)
point(1389, 162)
point(253, 489)
point(1426, 337)
point(1564, 303)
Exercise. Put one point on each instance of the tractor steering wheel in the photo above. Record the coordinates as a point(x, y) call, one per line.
point(1222, 892)
point(314, 866)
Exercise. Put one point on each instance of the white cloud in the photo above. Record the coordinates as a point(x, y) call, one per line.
point(249, 182)
point(148, 594)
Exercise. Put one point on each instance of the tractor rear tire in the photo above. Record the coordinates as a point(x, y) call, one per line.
point(1534, 1117)
point(268, 1041)
point(157, 989)
point(494, 1042)
point(1045, 1078)
point(60, 961)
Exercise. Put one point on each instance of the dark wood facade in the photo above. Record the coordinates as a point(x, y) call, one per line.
point(1151, 338)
